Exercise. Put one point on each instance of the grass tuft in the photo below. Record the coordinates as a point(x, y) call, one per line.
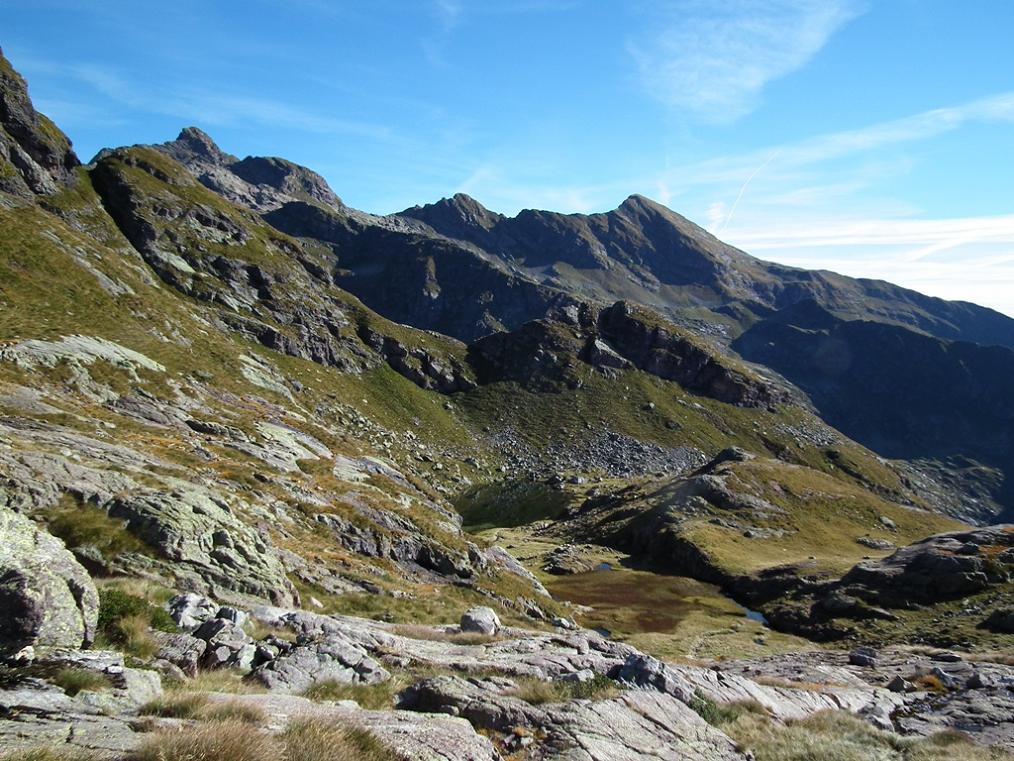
point(74, 680)
point(323, 740)
point(840, 736)
point(232, 740)
point(374, 697)
point(184, 705)
point(539, 691)
point(217, 741)
point(59, 753)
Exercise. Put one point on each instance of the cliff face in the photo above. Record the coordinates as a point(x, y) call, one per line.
point(35, 156)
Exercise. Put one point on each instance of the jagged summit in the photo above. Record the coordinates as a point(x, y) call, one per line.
point(262, 184)
point(195, 145)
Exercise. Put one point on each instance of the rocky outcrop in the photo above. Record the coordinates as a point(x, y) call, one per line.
point(334, 659)
point(660, 350)
point(260, 184)
point(419, 365)
point(47, 598)
point(546, 354)
point(35, 156)
point(205, 540)
point(938, 568)
point(631, 726)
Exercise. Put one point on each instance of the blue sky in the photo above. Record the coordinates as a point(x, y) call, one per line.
point(871, 137)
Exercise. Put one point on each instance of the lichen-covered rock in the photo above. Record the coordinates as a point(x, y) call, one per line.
point(205, 539)
point(634, 725)
point(191, 610)
point(47, 598)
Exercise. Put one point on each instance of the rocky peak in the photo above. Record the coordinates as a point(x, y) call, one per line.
point(459, 216)
point(38, 153)
point(193, 145)
point(289, 178)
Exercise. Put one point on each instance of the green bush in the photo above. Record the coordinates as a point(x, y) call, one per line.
point(116, 605)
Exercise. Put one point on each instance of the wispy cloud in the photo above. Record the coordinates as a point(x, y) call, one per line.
point(207, 107)
point(713, 59)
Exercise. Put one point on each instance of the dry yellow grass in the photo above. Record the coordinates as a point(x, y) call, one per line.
point(195, 705)
point(839, 736)
point(233, 740)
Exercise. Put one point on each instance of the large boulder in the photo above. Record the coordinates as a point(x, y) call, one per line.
point(209, 546)
point(480, 620)
point(47, 598)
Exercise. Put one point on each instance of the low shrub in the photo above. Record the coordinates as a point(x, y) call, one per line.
point(125, 619)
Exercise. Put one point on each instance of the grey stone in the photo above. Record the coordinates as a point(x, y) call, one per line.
point(480, 620)
point(182, 650)
point(334, 659)
point(47, 598)
point(191, 610)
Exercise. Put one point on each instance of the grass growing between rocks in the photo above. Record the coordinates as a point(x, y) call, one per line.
point(231, 740)
point(539, 691)
point(839, 736)
point(373, 697)
point(432, 634)
point(75, 680)
point(125, 621)
point(81, 525)
point(197, 706)
point(218, 680)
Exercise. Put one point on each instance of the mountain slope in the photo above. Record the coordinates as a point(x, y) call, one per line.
point(647, 253)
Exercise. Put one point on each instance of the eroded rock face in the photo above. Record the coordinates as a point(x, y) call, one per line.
point(37, 152)
point(546, 353)
point(47, 598)
point(636, 724)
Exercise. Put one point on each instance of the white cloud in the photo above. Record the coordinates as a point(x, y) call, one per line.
point(713, 59)
point(967, 258)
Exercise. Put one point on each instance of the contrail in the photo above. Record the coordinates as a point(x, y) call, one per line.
point(742, 190)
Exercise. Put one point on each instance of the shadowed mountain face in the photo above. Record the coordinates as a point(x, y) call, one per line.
point(903, 394)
